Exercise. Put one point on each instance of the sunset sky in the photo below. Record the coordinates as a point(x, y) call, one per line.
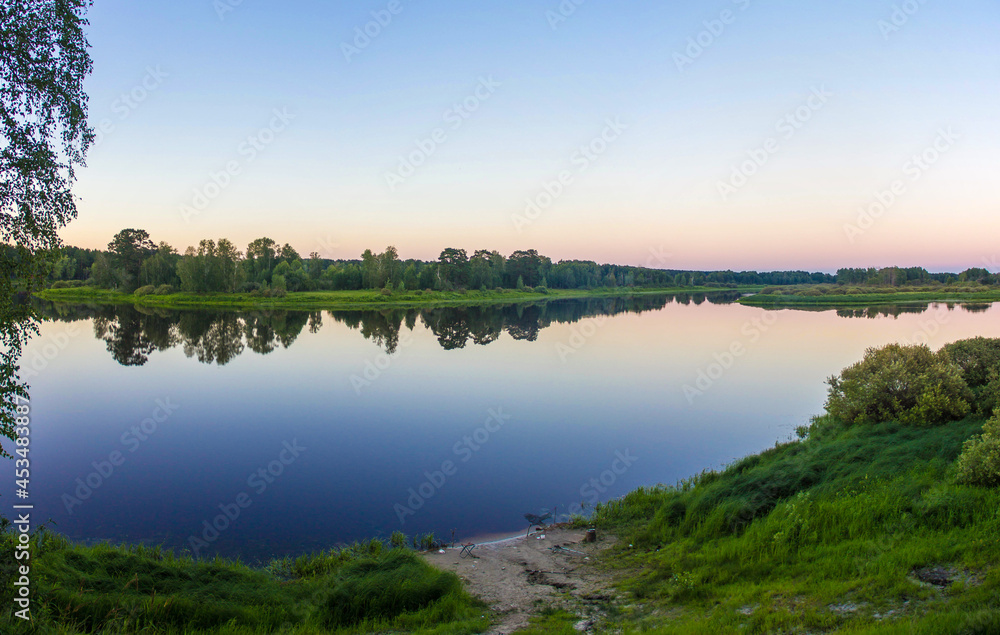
point(691, 135)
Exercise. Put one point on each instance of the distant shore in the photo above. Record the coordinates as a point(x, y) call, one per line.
point(862, 299)
point(355, 300)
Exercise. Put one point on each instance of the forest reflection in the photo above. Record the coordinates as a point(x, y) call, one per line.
point(132, 334)
point(895, 310)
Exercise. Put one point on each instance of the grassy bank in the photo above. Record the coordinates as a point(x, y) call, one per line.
point(846, 296)
point(853, 529)
point(126, 590)
point(343, 300)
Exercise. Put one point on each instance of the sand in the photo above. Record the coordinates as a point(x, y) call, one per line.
point(519, 576)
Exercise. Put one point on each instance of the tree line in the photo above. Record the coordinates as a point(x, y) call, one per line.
point(134, 263)
point(899, 276)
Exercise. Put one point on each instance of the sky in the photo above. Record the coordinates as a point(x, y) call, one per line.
point(722, 134)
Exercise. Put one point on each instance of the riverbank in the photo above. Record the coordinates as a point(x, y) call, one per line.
point(356, 300)
point(855, 529)
point(553, 569)
point(369, 587)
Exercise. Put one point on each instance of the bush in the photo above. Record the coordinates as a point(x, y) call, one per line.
point(979, 463)
point(909, 384)
point(979, 360)
point(60, 284)
point(386, 291)
point(145, 290)
point(542, 290)
point(164, 289)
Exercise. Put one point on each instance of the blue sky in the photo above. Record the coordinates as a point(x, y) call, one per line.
point(667, 138)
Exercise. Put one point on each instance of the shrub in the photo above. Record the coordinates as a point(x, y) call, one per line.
point(979, 360)
point(979, 463)
point(386, 291)
point(909, 384)
point(542, 290)
point(164, 289)
point(60, 284)
point(145, 290)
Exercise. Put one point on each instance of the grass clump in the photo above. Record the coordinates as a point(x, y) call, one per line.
point(384, 587)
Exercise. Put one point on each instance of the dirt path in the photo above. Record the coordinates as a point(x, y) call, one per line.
point(520, 576)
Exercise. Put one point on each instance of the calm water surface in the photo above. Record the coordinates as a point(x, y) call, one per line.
point(296, 431)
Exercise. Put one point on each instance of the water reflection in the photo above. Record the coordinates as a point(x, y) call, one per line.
point(896, 310)
point(132, 334)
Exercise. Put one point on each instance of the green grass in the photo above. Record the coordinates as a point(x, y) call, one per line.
point(122, 589)
point(366, 299)
point(846, 295)
point(813, 536)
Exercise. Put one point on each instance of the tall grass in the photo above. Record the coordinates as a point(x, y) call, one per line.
point(820, 534)
point(133, 589)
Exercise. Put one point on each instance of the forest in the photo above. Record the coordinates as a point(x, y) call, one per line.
point(133, 263)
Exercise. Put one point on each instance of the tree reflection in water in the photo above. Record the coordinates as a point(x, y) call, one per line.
point(132, 334)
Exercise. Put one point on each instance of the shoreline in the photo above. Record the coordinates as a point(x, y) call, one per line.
point(357, 300)
point(834, 301)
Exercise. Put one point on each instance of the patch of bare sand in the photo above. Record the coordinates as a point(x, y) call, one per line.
point(520, 576)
